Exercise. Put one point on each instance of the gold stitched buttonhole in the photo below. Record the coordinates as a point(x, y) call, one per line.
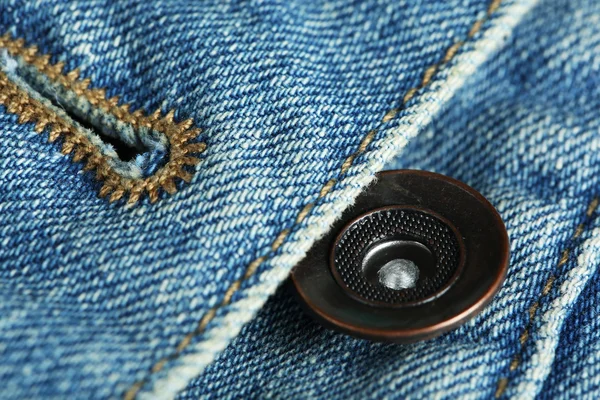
point(132, 154)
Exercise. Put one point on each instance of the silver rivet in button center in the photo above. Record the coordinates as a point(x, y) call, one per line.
point(399, 274)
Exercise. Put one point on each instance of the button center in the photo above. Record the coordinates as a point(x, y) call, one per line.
point(398, 264)
point(399, 274)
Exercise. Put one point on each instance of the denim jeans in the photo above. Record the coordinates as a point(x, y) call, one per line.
point(165, 164)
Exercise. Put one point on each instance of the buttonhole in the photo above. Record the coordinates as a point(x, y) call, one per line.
point(146, 149)
point(125, 151)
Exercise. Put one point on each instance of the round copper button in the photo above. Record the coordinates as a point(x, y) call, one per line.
point(417, 255)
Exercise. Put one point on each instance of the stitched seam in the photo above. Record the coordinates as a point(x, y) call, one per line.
point(182, 150)
point(502, 383)
point(253, 266)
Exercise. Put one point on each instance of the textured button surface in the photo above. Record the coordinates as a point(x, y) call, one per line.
point(417, 255)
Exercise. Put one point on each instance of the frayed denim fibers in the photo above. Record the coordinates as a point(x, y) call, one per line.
point(523, 130)
point(100, 297)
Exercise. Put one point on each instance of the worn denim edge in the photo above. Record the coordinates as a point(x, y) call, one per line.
point(385, 146)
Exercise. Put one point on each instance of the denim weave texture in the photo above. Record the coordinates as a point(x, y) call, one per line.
point(299, 104)
point(523, 130)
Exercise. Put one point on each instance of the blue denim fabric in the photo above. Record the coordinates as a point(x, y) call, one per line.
point(98, 297)
point(523, 131)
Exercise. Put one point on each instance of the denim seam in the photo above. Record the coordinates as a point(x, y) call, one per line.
point(429, 73)
point(503, 382)
point(183, 149)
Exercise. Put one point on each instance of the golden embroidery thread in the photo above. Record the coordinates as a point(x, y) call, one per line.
point(183, 151)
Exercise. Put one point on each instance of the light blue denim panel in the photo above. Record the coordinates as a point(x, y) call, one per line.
point(524, 132)
point(109, 290)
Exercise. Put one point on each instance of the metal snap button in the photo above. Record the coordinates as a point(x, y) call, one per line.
point(397, 255)
point(417, 255)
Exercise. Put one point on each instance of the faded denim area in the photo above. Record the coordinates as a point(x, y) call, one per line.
point(96, 295)
point(524, 131)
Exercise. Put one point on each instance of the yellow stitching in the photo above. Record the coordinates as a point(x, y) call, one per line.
point(548, 286)
point(280, 239)
point(230, 291)
point(207, 318)
point(534, 306)
point(185, 342)
point(475, 29)
point(503, 381)
point(366, 141)
point(579, 231)
point(304, 212)
point(564, 258)
point(135, 388)
point(452, 51)
point(514, 363)
point(327, 187)
point(389, 115)
point(524, 336)
point(159, 366)
point(493, 7)
point(409, 94)
point(429, 72)
point(181, 152)
point(592, 207)
point(347, 164)
point(253, 266)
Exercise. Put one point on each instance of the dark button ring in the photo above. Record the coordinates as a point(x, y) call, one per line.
point(417, 255)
